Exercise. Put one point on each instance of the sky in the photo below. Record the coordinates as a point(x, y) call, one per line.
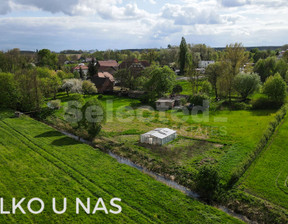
point(135, 24)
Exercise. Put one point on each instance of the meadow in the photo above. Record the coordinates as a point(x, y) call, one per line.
point(267, 177)
point(228, 136)
point(38, 161)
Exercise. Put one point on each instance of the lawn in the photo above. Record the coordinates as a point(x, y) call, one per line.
point(37, 161)
point(237, 132)
point(268, 175)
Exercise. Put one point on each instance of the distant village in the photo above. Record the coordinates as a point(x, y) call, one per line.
point(105, 82)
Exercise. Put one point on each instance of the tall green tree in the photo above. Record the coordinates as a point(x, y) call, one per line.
point(92, 68)
point(47, 58)
point(94, 116)
point(161, 82)
point(81, 73)
point(9, 92)
point(234, 59)
point(275, 88)
point(192, 73)
point(270, 66)
point(182, 55)
point(30, 90)
point(214, 71)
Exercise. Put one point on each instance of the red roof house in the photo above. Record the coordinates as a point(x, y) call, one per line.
point(135, 66)
point(110, 66)
point(104, 82)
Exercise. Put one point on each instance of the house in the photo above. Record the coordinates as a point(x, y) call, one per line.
point(110, 66)
point(204, 64)
point(158, 136)
point(104, 82)
point(83, 67)
point(282, 53)
point(135, 66)
point(164, 104)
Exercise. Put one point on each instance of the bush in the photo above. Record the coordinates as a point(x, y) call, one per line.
point(264, 103)
point(177, 89)
point(198, 99)
point(206, 88)
point(183, 101)
point(241, 106)
point(88, 87)
point(207, 182)
point(54, 104)
point(275, 88)
point(94, 115)
point(100, 96)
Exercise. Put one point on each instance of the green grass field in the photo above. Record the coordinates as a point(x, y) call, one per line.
point(238, 131)
point(37, 161)
point(268, 175)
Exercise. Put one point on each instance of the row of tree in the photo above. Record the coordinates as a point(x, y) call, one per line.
point(27, 89)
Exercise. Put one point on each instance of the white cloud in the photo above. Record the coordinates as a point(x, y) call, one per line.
point(113, 24)
point(190, 15)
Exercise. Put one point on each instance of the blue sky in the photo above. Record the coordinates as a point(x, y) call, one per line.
point(126, 24)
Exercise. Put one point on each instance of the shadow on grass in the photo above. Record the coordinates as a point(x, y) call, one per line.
point(65, 141)
point(263, 112)
point(49, 134)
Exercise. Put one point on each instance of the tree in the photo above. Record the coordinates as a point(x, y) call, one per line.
point(72, 85)
point(192, 73)
point(47, 58)
point(207, 182)
point(88, 87)
point(55, 83)
point(63, 75)
point(50, 82)
point(246, 83)
point(94, 116)
point(162, 81)
point(177, 89)
point(30, 90)
point(9, 92)
point(266, 67)
point(275, 88)
point(81, 73)
point(234, 59)
point(214, 71)
point(206, 88)
point(125, 78)
point(182, 55)
point(73, 113)
point(92, 68)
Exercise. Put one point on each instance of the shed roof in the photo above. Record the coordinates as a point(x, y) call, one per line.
point(161, 132)
point(165, 100)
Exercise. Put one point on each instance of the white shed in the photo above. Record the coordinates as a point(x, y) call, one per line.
point(158, 136)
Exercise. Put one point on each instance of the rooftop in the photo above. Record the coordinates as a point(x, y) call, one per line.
point(161, 132)
point(109, 63)
point(106, 75)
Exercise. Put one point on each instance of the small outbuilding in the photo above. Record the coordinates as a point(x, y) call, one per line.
point(158, 136)
point(164, 104)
